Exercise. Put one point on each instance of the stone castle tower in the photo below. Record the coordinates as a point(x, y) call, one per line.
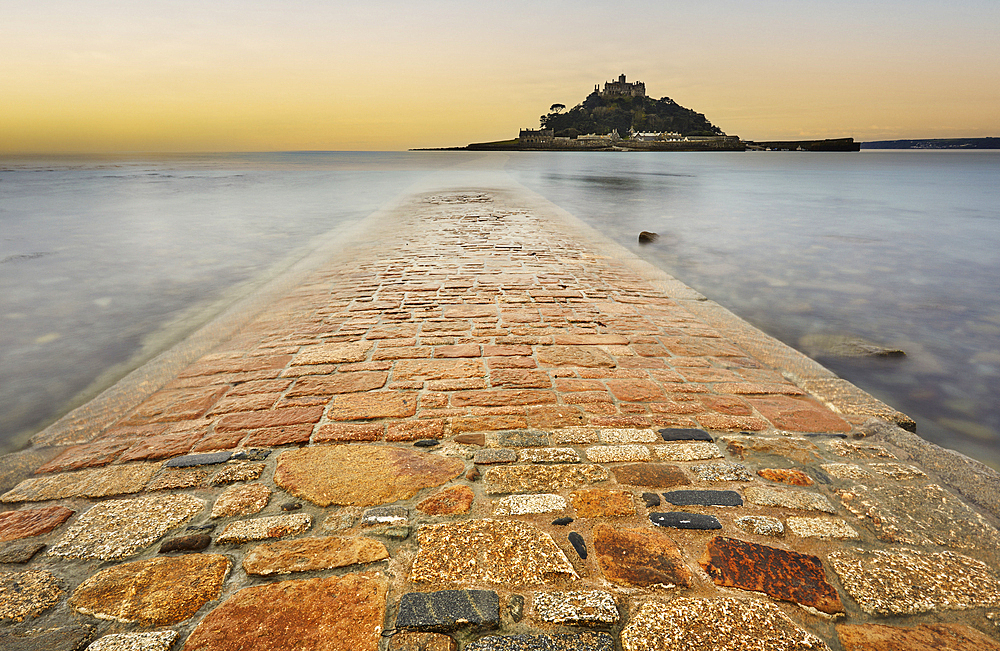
point(622, 88)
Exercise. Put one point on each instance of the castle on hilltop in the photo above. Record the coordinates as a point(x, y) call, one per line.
point(622, 88)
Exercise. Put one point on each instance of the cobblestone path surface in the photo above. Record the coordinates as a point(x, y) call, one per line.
point(485, 432)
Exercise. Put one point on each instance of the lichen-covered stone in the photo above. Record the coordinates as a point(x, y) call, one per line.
point(854, 450)
point(494, 455)
point(788, 476)
point(549, 455)
point(488, 551)
point(120, 528)
point(906, 582)
point(337, 613)
point(898, 471)
point(787, 499)
point(534, 479)
point(529, 504)
point(416, 641)
point(846, 471)
point(576, 608)
point(361, 475)
point(640, 558)
point(276, 526)
point(234, 472)
point(586, 641)
point(782, 574)
point(27, 594)
point(307, 554)
point(719, 624)
point(156, 592)
point(625, 435)
point(245, 499)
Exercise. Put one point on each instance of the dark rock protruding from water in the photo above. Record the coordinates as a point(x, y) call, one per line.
point(646, 237)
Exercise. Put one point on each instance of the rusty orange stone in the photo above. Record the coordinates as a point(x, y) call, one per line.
point(926, 637)
point(653, 475)
point(639, 557)
point(31, 522)
point(786, 476)
point(457, 499)
point(782, 574)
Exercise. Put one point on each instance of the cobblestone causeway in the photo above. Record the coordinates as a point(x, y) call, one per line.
point(484, 427)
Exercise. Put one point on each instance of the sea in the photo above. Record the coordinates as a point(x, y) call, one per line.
point(107, 261)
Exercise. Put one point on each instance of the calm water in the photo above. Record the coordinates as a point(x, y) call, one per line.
point(101, 256)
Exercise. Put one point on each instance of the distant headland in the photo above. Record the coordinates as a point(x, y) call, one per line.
point(621, 117)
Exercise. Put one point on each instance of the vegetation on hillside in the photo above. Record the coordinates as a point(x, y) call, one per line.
point(602, 115)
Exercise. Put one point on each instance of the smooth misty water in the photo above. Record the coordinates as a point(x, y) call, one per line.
point(99, 256)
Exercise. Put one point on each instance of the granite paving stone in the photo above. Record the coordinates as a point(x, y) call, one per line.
point(337, 613)
point(156, 592)
point(234, 472)
point(925, 637)
point(529, 504)
point(681, 520)
point(275, 526)
point(93, 482)
point(575, 608)
point(362, 475)
point(685, 434)
point(19, 551)
point(855, 450)
point(627, 435)
point(308, 554)
point(703, 498)
point(787, 499)
point(554, 642)
point(245, 499)
point(617, 453)
point(846, 471)
point(721, 472)
point(31, 522)
point(150, 641)
point(782, 574)
point(918, 515)
point(821, 528)
point(761, 525)
point(121, 528)
point(788, 476)
point(640, 558)
point(494, 455)
point(27, 594)
point(385, 515)
point(898, 471)
point(517, 438)
point(413, 641)
point(448, 610)
point(488, 551)
point(537, 478)
point(716, 624)
point(450, 501)
point(336, 353)
point(698, 451)
point(176, 479)
point(651, 475)
point(791, 447)
point(549, 455)
point(908, 581)
point(71, 637)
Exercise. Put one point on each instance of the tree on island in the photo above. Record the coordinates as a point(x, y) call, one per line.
point(602, 115)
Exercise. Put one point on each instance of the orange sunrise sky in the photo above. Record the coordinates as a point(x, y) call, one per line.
point(261, 75)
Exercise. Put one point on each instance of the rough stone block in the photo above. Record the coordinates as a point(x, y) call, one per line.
point(535, 478)
point(680, 520)
point(651, 475)
point(788, 499)
point(703, 498)
point(685, 434)
point(554, 642)
point(577, 608)
point(25, 595)
point(448, 610)
point(639, 557)
point(275, 526)
point(31, 522)
point(309, 554)
point(529, 504)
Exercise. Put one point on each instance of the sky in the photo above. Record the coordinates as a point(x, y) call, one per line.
point(283, 75)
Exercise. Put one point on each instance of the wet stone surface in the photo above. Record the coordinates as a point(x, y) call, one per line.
point(448, 610)
point(639, 557)
point(680, 520)
point(120, 528)
point(156, 592)
point(719, 624)
point(905, 582)
point(782, 574)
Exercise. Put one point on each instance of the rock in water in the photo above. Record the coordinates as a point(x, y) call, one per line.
point(646, 237)
point(820, 345)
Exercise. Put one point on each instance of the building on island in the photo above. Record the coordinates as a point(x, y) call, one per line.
point(536, 137)
point(622, 88)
